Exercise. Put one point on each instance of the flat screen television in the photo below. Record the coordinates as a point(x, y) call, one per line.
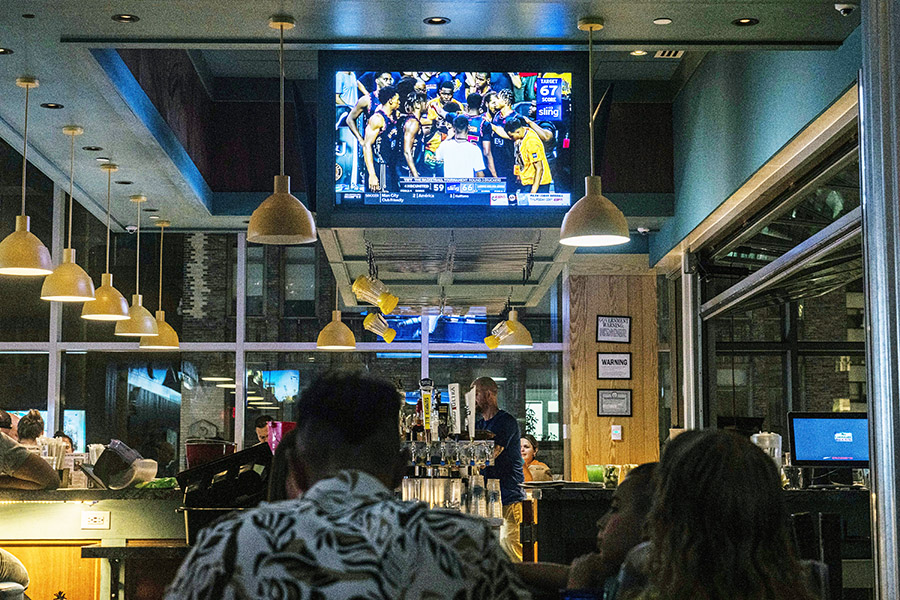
point(499, 142)
point(829, 439)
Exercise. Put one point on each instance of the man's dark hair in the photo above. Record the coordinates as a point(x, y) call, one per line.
point(486, 100)
point(406, 86)
point(507, 96)
point(461, 123)
point(261, 421)
point(512, 124)
point(386, 93)
point(349, 421)
point(5, 420)
point(474, 101)
point(378, 74)
point(447, 85)
point(453, 107)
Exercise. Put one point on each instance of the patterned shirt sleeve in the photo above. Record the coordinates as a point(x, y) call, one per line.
point(501, 581)
point(208, 569)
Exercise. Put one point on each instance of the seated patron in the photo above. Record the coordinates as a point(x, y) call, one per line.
point(31, 427)
point(718, 528)
point(9, 424)
point(24, 470)
point(534, 470)
point(347, 536)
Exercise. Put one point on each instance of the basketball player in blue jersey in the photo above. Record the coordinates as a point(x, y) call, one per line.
point(368, 104)
point(381, 134)
point(503, 158)
point(480, 128)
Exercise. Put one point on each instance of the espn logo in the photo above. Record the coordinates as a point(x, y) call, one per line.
point(843, 437)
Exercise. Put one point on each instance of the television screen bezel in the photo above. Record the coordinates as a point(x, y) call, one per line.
point(836, 464)
point(329, 214)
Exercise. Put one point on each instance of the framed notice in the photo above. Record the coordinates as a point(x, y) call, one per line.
point(613, 403)
point(616, 330)
point(614, 365)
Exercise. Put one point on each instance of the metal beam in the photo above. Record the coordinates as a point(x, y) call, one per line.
point(880, 170)
point(690, 343)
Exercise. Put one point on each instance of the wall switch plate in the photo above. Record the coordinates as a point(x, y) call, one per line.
point(95, 519)
point(617, 433)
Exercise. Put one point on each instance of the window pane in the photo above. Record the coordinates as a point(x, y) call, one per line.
point(751, 386)
point(152, 403)
point(833, 383)
point(25, 384)
point(276, 379)
point(758, 325)
point(835, 317)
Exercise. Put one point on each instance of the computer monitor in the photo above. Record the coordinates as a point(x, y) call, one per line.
point(829, 439)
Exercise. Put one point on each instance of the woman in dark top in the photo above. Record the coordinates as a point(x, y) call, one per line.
point(718, 527)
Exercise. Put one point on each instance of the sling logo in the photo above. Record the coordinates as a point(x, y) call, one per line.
point(843, 437)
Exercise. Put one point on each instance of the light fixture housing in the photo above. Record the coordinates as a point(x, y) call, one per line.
point(638, 53)
point(336, 335)
point(140, 321)
point(166, 339)
point(52, 105)
point(377, 324)
point(21, 252)
point(372, 290)
point(436, 20)
point(68, 282)
point(745, 22)
point(520, 338)
point(594, 220)
point(109, 304)
point(662, 21)
point(125, 18)
point(6, 51)
point(281, 218)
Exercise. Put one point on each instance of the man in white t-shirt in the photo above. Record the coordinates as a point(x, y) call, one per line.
point(462, 159)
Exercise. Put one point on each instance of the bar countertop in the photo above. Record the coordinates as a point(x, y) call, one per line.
point(87, 495)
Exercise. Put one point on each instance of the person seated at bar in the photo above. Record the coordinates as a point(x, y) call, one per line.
point(9, 424)
point(619, 530)
point(24, 470)
point(534, 470)
point(31, 427)
point(62, 435)
point(283, 484)
point(262, 428)
point(347, 535)
point(718, 528)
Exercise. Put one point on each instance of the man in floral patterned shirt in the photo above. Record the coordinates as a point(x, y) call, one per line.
point(347, 536)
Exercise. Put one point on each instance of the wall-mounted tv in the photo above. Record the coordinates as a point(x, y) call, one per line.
point(829, 439)
point(418, 136)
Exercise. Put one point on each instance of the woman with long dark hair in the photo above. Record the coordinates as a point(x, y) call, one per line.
point(718, 528)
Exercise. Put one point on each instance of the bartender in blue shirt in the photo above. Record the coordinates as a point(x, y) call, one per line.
point(508, 466)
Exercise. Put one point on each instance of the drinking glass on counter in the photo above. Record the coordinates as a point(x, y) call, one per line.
point(477, 496)
point(494, 506)
point(611, 476)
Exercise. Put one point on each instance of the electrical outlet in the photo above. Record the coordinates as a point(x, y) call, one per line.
point(95, 519)
point(616, 433)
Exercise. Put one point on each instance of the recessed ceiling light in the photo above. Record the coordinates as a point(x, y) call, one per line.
point(662, 21)
point(125, 18)
point(102, 159)
point(638, 53)
point(124, 182)
point(745, 22)
point(154, 217)
point(436, 21)
point(52, 105)
point(6, 51)
point(153, 210)
point(92, 148)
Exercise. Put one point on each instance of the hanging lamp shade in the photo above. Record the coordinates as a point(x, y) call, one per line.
point(594, 220)
point(68, 282)
point(21, 252)
point(140, 321)
point(281, 218)
point(336, 335)
point(520, 338)
point(109, 304)
point(167, 339)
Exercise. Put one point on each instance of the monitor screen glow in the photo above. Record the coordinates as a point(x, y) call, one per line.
point(829, 439)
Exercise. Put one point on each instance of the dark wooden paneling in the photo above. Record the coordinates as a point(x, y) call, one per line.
point(638, 151)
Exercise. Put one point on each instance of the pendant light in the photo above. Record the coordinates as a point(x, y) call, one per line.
point(21, 252)
point(520, 338)
point(140, 322)
point(281, 218)
point(594, 220)
point(167, 338)
point(336, 335)
point(68, 282)
point(109, 304)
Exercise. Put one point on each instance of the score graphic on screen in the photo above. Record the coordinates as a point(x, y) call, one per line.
point(453, 138)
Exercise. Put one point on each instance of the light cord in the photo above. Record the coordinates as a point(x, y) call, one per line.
point(25, 148)
point(162, 231)
point(71, 185)
point(137, 267)
point(108, 194)
point(281, 80)
point(591, 92)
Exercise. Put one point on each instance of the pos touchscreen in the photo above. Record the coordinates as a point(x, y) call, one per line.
point(829, 439)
